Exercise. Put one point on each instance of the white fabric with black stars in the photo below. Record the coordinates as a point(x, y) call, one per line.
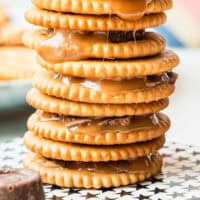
point(180, 179)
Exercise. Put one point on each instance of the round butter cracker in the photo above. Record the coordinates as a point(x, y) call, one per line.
point(151, 44)
point(90, 91)
point(57, 130)
point(163, 62)
point(11, 35)
point(51, 19)
point(3, 16)
point(58, 173)
point(95, 7)
point(17, 63)
point(86, 153)
point(55, 105)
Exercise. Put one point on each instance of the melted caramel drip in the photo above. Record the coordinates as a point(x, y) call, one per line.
point(64, 45)
point(129, 166)
point(92, 126)
point(129, 9)
point(119, 86)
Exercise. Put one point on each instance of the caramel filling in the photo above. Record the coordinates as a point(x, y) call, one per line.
point(129, 9)
point(64, 45)
point(129, 166)
point(119, 86)
point(92, 126)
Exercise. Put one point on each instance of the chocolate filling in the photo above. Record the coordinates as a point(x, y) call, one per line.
point(120, 36)
point(112, 36)
point(125, 36)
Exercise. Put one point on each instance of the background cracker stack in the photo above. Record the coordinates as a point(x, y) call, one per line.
point(98, 98)
point(3, 16)
point(16, 61)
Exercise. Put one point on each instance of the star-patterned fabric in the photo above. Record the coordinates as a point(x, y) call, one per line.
point(180, 178)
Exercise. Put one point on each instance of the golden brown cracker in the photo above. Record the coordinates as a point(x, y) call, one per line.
point(17, 63)
point(104, 91)
point(11, 35)
point(90, 22)
point(95, 7)
point(57, 130)
point(64, 107)
point(163, 62)
point(57, 173)
point(3, 16)
point(150, 44)
point(86, 153)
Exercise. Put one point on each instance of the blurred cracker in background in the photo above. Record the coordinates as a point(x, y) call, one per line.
point(11, 34)
point(3, 15)
point(16, 61)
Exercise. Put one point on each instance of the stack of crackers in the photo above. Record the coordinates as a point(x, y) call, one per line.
point(104, 81)
point(16, 61)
